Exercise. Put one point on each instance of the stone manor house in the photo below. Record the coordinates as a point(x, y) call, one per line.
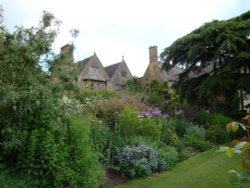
point(93, 75)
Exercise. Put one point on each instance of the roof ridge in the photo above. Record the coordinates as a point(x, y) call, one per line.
point(113, 65)
point(84, 62)
point(112, 68)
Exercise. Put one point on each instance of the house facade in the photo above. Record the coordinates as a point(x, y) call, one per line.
point(92, 74)
point(119, 74)
point(155, 72)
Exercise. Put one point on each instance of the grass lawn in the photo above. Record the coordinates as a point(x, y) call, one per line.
point(207, 170)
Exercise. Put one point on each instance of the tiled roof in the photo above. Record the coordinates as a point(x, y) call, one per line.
point(112, 68)
point(84, 62)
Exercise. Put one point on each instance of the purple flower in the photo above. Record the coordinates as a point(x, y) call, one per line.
point(156, 112)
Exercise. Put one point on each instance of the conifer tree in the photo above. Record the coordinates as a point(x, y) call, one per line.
point(216, 61)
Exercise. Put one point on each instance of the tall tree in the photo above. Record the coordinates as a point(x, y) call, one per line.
point(216, 61)
point(24, 51)
point(36, 138)
point(26, 103)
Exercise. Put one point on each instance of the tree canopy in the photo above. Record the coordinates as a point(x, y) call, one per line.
point(38, 138)
point(215, 58)
point(25, 50)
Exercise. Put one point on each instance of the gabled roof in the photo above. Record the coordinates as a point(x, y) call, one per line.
point(112, 68)
point(87, 75)
point(84, 62)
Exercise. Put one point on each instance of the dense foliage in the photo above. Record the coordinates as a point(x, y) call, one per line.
point(52, 134)
point(240, 147)
point(37, 138)
point(138, 160)
point(83, 169)
point(215, 126)
point(215, 58)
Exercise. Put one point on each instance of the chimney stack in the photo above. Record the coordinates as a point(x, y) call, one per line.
point(67, 51)
point(153, 54)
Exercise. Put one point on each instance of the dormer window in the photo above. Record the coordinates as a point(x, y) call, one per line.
point(123, 74)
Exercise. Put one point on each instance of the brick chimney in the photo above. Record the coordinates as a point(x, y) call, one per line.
point(153, 54)
point(67, 51)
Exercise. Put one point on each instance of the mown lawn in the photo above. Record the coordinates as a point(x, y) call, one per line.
point(207, 170)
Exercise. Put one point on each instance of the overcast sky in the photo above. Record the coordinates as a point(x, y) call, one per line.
point(116, 28)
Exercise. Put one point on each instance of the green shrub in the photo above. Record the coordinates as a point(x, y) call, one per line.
point(196, 130)
point(181, 127)
point(90, 98)
point(215, 125)
point(195, 137)
point(169, 135)
point(168, 157)
point(72, 106)
point(133, 86)
point(35, 140)
point(27, 109)
point(95, 95)
point(83, 169)
point(208, 119)
point(102, 140)
point(137, 160)
point(183, 155)
point(34, 127)
point(39, 155)
point(10, 178)
point(128, 122)
point(108, 110)
point(159, 95)
point(116, 142)
point(149, 128)
point(61, 158)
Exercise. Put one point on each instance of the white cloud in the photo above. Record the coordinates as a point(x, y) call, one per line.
point(113, 28)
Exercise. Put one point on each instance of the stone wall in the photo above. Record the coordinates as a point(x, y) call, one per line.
point(121, 76)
